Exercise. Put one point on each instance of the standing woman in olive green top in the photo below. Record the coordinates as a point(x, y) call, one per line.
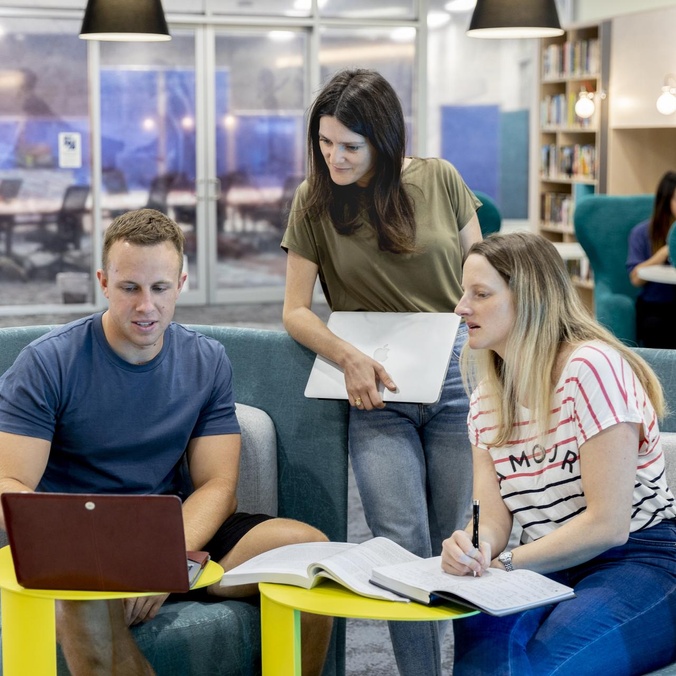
point(386, 233)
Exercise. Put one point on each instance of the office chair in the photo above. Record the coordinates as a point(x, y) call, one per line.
point(68, 219)
point(114, 181)
point(9, 188)
point(159, 192)
point(277, 212)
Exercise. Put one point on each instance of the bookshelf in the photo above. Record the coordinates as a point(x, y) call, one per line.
point(572, 149)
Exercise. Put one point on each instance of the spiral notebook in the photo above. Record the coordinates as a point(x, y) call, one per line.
point(98, 542)
point(414, 347)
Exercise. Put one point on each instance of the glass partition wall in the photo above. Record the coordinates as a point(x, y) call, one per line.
point(208, 128)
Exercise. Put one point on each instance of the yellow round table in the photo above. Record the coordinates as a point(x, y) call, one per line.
point(28, 625)
point(281, 606)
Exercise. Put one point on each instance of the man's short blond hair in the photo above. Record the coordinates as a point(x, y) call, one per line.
point(143, 227)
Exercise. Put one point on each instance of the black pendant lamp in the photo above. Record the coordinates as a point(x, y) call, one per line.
point(515, 19)
point(125, 20)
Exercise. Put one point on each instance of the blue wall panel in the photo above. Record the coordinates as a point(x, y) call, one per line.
point(514, 164)
point(470, 140)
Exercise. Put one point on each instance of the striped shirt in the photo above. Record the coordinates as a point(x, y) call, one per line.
point(540, 480)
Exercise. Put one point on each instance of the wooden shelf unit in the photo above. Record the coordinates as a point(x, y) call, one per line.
point(572, 150)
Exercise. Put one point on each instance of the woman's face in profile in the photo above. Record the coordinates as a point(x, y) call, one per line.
point(350, 157)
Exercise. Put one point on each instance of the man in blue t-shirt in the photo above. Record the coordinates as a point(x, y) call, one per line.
point(118, 402)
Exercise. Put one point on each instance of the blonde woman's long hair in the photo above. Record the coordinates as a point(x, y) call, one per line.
point(548, 314)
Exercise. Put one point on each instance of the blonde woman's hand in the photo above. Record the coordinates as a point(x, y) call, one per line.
point(460, 557)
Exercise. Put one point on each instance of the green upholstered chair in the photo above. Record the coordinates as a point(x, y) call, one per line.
point(671, 243)
point(489, 215)
point(602, 227)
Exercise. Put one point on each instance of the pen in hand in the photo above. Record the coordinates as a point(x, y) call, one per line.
point(475, 526)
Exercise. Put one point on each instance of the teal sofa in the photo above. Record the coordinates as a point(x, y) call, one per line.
point(308, 438)
point(294, 455)
point(602, 226)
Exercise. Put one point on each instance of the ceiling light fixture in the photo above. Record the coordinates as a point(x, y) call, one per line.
point(515, 19)
point(125, 21)
point(585, 106)
point(666, 103)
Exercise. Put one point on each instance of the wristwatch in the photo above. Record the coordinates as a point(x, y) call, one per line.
point(506, 560)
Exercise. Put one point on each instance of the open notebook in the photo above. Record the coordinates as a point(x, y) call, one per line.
point(414, 347)
point(99, 542)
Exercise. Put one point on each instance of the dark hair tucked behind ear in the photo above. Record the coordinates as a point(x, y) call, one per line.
point(365, 103)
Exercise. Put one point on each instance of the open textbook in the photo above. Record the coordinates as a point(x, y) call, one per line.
point(496, 592)
point(306, 564)
point(378, 567)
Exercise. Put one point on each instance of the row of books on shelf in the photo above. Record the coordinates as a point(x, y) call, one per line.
point(580, 270)
point(558, 110)
point(556, 209)
point(571, 58)
point(577, 161)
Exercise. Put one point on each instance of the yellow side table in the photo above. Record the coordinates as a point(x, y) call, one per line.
point(28, 625)
point(281, 606)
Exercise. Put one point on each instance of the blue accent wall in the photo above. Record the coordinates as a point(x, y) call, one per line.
point(490, 150)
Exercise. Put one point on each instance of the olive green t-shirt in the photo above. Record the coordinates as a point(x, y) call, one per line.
point(357, 276)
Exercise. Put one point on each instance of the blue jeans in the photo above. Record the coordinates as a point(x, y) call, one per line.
point(413, 468)
point(622, 621)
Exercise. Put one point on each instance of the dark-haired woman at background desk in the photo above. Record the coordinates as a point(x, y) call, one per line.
point(656, 303)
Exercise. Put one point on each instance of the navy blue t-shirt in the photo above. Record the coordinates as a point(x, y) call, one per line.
point(116, 426)
point(640, 250)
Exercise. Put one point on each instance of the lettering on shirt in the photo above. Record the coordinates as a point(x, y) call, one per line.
point(540, 455)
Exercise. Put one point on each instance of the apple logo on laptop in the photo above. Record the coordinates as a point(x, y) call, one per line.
point(381, 353)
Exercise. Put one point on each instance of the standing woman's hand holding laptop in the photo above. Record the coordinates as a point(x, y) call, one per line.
point(362, 377)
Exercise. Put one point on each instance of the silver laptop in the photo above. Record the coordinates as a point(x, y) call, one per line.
point(414, 347)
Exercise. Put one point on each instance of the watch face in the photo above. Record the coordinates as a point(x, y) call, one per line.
point(506, 560)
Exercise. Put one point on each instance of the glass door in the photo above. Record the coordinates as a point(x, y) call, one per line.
point(259, 96)
point(209, 128)
point(148, 123)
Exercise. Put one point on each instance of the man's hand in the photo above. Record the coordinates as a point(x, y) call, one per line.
point(142, 608)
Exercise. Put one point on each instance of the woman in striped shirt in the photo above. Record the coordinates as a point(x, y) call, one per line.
point(567, 452)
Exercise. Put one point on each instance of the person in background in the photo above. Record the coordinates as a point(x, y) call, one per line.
point(93, 407)
point(566, 443)
point(656, 303)
point(385, 233)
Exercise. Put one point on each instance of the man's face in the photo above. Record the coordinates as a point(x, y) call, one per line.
point(142, 284)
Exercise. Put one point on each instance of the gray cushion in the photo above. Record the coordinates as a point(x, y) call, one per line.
point(257, 488)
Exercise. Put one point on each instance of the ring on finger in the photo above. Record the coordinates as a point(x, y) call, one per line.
point(358, 401)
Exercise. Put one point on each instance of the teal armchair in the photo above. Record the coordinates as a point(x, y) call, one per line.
point(490, 218)
point(602, 227)
point(671, 243)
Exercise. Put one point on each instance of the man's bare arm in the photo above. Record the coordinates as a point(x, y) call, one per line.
point(22, 463)
point(214, 469)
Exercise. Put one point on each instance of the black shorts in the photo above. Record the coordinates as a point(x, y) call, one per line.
point(233, 529)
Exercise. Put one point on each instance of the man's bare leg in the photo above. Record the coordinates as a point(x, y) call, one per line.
point(96, 641)
point(315, 629)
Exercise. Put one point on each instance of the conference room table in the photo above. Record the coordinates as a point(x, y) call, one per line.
point(35, 209)
point(242, 202)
